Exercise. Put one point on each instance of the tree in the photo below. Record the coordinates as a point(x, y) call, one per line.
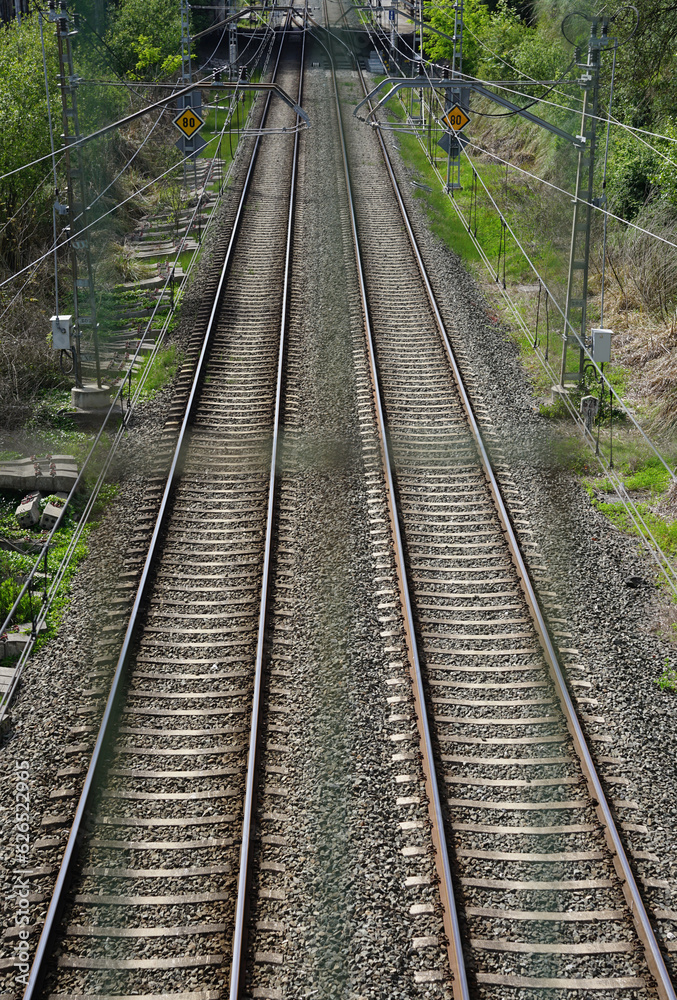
point(490, 38)
point(25, 131)
point(146, 37)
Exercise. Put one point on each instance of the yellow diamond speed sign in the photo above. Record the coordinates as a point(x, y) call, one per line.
point(455, 119)
point(188, 121)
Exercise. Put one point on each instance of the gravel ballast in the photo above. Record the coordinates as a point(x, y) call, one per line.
point(346, 851)
point(588, 567)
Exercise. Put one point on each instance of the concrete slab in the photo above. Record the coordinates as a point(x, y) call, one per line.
point(157, 282)
point(90, 397)
point(12, 644)
point(52, 511)
point(28, 511)
point(561, 392)
point(93, 418)
point(49, 474)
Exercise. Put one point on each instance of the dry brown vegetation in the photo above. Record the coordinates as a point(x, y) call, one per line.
point(641, 308)
point(640, 274)
point(28, 365)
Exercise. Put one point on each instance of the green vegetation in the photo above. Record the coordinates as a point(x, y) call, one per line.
point(648, 483)
point(668, 679)
point(129, 41)
point(504, 40)
point(162, 371)
point(15, 564)
point(496, 34)
point(23, 116)
point(213, 125)
point(145, 38)
point(512, 169)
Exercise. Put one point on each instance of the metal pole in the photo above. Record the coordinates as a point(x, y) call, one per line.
point(186, 74)
point(579, 254)
point(393, 29)
point(456, 95)
point(56, 185)
point(232, 42)
point(77, 193)
point(58, 19)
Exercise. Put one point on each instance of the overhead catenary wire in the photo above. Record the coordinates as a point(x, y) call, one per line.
point(550, 184)
point(126, 165)
point(59, 241)
point(135, 194)
point(542, 99)
point(540, 277)
point(506, 62)
point(642, 527)
point(503, 86)
point(103, 130)
point(33, 268)
point(30, 197)
point(43, 553)
point(607, 215)
point(603, 120)
point(571, 196)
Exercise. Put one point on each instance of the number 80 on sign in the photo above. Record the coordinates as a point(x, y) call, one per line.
point(455, 119)
point(188, 122)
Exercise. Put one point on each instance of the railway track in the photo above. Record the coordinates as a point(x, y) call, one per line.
point(151, 898)
point(164, 869)
point(542, 899)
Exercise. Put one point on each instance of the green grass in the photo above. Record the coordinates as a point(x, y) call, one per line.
point(668, 679)
point(639, 470)
point(443, 220)
point(664, 532)
point(211, 129)
point(15, 566)
point(653, 477)
point(162, 371)
point(182, 261)
point(644, 475)
point(478, 213)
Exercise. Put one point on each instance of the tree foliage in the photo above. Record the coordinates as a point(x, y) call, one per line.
point(24, 128)
point(145, 37)
point(497, 41)
point(501, 41)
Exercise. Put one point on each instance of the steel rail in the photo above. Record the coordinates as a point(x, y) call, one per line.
point(239, 935)
point(451, 926)
point(79, 826)
point(653, 954)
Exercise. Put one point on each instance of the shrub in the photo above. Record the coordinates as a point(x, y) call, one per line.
point(145, 36)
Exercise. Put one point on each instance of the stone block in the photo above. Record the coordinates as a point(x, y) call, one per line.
point(52, 510)
point(90, 397)
point(28, 511)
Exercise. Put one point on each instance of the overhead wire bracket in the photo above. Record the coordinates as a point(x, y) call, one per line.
point(430, 83)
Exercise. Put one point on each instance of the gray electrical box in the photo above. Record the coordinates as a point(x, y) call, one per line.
point(61, 332)
point(601, 345)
